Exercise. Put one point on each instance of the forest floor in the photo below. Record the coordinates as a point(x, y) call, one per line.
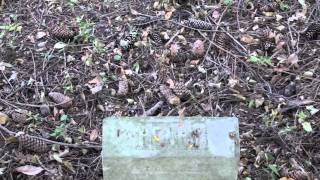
point(255, 60)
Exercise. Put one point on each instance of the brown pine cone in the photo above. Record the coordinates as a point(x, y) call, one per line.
point(156, 37)
point(222, 40)
point(269, 7)
point(180, 89)
point(32, 143)
point(197, 24)
point(268, 44)
point(297, 175)
point(62, 33)
point(61, 99)
point(313, 31)
point(170, 97)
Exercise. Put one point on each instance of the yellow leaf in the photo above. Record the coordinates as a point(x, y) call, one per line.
point(3, 118)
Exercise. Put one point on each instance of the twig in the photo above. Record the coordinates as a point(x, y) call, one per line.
point(172, 38)
point(153, 109)
point(33, 105)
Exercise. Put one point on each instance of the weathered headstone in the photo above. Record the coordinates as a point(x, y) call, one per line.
point(152, 148)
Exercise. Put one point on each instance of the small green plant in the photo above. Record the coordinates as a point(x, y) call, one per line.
point(302, 119)
point(85, 29)
point(98, 46)
point(68, 86)
point(284, 6)
point(10, 28)
point(260, 60)
point(228, 2)
point(59, 131)
point(273, 169)
point(33, 118)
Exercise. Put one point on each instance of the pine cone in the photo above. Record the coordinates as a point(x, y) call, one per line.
point(222, 40)
point(180, 89)
point(268, 44)
point(170, 97)
point(313, 31)
point(269, 7)
point(61, 99)
point(297, 175)
point(197, 24)
point(32, 143)
point(182, 57)
point(62, 33)
point(123, 87)
point(128, 42)
point(156, 37)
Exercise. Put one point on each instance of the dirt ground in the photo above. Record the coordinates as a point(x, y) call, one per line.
point(65, 65)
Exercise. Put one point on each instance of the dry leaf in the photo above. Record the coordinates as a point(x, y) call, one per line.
point(61, 99)
point(198, 48)
point(174, 49)
point(93, 135)
point(171, 83)
point(3, 118)
point(29, 170)
point(68, 165)
point(216, 14)
point(134, 12)
point(168, 15)
point(97, 80)
point(40, 35)
point(293, 60)
point(247, 39)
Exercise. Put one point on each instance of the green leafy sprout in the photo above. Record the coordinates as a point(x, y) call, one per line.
point(260, 60)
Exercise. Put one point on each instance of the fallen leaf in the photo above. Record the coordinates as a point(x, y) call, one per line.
point(93, 135)
point(134, 12)
point(40, 35)
point(97, 80)
point(57, 157)
point(3, 118)
point(171, 83)
point(248, 39)
point(29, 170)
point(69, 165)
point(174, 49)
point(216, 14)
point(2, 171)
point(198, 47)
point(293, 60)
point(59, 45)
point(168, 15)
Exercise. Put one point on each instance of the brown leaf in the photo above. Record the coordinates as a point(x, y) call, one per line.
point(29, 170)
point(93, 135)
point(248, 39)
point(198, 47)
point(168, 15)
point(171, 83)
point(293, 60)
point(174, 49)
